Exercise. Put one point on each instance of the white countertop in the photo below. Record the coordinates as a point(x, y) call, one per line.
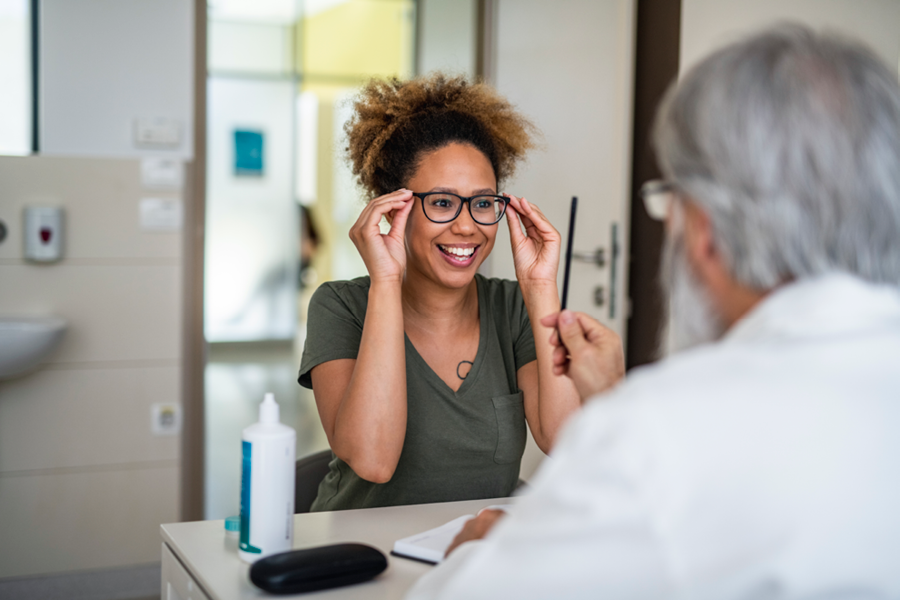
point(211, 557)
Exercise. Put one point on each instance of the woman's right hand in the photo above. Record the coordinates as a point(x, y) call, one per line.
point(384, 254)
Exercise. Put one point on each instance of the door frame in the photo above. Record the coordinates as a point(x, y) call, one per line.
point(657, 40)
point(193, 347)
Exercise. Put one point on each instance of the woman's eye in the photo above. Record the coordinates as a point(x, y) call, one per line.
point(483, 204)
point(441, 203)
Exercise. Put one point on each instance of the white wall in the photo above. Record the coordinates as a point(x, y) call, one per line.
point(707, 24)
point(83, 482)
point(106, 63)
point(447, 36)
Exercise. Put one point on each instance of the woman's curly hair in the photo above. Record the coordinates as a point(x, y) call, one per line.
point(396, 122)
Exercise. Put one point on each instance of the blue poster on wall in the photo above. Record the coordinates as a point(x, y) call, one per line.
point(248, 153)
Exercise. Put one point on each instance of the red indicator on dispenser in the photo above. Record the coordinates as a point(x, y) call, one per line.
point(46, 234)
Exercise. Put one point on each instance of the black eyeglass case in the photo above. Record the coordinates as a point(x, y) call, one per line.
point(318, 568)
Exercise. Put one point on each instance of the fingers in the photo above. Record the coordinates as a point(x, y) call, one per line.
point(571, 332)
point(517, 207)
point(532, 217)
point(554, 339)
point(515, 225)
point(594, 330)
point(384, 205)
point(476, 528)
point(607, 342)
point(371, 215)
point(461, 538)
point(398, 222)
point(579, 327)
point(550, 320)
point(560, 357)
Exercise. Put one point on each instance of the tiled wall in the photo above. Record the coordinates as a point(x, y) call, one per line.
point(83, 482)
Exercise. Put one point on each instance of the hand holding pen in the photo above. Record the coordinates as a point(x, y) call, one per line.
point(584, 350)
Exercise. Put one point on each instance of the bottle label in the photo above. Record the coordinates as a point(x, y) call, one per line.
point(247, 451)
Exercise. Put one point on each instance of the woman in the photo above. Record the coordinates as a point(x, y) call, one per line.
point(425, 372)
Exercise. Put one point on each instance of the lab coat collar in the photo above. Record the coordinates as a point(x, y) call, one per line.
point(823, 306)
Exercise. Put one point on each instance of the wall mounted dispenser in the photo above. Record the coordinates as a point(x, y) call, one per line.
point(43, 233)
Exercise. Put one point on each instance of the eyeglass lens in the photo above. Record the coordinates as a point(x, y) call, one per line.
point(442, 208)
point(658, 196)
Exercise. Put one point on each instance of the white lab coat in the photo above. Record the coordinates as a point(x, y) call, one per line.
point(765, 465)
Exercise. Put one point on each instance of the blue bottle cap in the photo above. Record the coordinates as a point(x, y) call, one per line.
point(233, 524)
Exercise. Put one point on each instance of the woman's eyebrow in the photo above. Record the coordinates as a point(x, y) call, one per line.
point(453, 191)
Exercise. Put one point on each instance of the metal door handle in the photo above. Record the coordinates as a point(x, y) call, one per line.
point(597, 257)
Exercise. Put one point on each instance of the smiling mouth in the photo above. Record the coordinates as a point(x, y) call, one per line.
point(458, 254)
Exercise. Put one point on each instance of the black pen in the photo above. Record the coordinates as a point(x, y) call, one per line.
point(568, 266)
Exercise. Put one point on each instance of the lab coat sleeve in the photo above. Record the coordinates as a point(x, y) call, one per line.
point(585, 530)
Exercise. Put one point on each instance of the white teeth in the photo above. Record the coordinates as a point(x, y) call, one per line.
point(458, 251)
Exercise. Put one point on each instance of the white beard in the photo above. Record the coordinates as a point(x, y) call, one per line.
point(693, 320)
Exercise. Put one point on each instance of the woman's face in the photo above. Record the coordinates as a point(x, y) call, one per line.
point(450, 253)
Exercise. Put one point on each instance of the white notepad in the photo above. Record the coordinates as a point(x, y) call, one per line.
point(430, 546)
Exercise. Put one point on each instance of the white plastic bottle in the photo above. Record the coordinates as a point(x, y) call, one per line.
point(267, 485)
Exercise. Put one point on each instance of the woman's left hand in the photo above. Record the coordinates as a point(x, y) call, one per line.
point(535, 252)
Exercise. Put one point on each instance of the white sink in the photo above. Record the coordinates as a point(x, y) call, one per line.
point(26, 341)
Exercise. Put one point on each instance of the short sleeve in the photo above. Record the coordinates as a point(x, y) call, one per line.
point(334, 325)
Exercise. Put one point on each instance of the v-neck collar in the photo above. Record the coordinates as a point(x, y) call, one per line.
point(483, 316)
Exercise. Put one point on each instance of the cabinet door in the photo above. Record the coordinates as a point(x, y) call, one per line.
point(177, 583)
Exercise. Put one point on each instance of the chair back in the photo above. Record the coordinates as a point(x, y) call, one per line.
point(311, 470)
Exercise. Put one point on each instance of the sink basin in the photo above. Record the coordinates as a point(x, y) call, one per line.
point(26, 341)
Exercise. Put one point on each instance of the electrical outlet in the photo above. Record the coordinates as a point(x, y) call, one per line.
point(165, 418)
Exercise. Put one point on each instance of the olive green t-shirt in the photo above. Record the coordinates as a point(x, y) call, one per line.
point(461, 445)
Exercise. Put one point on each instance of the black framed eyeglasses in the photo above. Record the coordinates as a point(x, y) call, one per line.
point(443, 207)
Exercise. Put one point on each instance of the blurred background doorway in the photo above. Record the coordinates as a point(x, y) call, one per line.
point(280, 199)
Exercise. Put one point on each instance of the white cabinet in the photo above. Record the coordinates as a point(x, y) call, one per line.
point(177, 583)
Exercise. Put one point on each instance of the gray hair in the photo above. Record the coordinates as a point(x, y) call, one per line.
point(790, 141)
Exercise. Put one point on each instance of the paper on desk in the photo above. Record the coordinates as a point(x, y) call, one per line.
point(430, 546)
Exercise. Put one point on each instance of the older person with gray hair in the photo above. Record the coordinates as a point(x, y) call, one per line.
point(762, 457)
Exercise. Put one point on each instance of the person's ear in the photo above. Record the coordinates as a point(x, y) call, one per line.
point(703, 255)
point(731, 299)
point(698, 236)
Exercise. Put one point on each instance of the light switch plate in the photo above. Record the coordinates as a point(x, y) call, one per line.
point(159, 214)
point(162, 173)
point(157, 133)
